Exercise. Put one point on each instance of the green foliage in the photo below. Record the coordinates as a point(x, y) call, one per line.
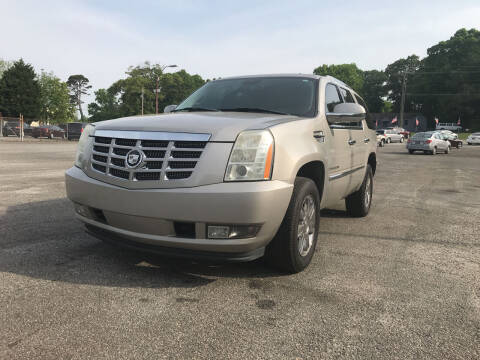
point(78, 86)
point(350, 74)
point(373, 90)
point(55, 107)
point(4, 66)
point(387, 107)
point(448, 83)
point(394, 74)
point(105, 106)
point(19, 91)
point(124, 97)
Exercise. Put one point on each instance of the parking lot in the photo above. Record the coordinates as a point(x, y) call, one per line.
point(403, 282)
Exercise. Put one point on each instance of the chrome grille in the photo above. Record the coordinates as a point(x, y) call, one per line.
point(163, 159)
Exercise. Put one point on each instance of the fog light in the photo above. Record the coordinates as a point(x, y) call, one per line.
point(218, 232)
point(232, 231)
point(82, 210)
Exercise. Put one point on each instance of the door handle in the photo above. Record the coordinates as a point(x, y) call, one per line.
point(366, 140)
point(352, 142)
point(319, 136)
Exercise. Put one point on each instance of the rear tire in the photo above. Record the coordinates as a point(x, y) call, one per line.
point(434, 151)
point(389, 140)
point(410, 151)
point(358, 204)
point(401, 139)
point(293, 246)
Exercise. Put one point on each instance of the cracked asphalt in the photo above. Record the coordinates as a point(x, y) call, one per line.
point(402, 283)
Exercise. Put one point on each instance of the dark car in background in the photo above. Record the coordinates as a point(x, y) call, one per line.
point(12, 128)
point(74, 130)
point(49, 131)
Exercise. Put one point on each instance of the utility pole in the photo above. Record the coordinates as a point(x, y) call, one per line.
point(157, 89)
point(142, 99)
point(402, 102)
point(156, 96)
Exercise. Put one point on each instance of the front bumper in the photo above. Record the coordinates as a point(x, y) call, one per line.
point(147, 216)
point(473, 141)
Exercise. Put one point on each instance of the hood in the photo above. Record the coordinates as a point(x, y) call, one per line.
point(223, 126)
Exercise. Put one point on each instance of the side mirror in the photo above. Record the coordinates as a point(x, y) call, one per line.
point(169, 108)
point(346, 113)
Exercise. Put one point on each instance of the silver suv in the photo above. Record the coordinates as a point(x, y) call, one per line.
point(238, 170)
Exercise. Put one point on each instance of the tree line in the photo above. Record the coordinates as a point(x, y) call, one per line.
point(444, 84)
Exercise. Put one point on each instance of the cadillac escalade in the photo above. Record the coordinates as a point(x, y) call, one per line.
point(239, 170)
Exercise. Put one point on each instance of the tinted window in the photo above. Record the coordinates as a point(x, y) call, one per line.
point(370, 123)
point(347, 95)
point(332, 97)
point(290, 95)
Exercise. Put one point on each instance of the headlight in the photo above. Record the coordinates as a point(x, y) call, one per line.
point(251, 157)
point(83, 142)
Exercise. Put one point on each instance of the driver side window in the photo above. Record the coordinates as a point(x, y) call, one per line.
point(332, 98)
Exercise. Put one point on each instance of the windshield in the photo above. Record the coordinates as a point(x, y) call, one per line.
point(284, 95)
point(380, 132)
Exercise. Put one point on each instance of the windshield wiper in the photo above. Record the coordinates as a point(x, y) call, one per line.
point(195, 108)
point(259, 110)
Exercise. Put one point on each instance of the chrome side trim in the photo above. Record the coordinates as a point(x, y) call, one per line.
point(152, 135)
point(344, 173)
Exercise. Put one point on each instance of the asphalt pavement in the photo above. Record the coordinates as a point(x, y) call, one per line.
point(402, 283)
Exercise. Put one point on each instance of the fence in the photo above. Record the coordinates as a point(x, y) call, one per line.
point(13, 126)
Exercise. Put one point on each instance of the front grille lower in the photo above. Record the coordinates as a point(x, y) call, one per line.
point(162, 159)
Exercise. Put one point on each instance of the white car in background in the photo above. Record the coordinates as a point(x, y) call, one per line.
point(381, 138)
point(474, 138)
point(430, 142)
point(391, 135)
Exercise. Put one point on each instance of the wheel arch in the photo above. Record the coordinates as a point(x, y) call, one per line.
point(372, 161)
point(314, 170)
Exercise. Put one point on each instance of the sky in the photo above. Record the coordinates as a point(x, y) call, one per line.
point(101, 39)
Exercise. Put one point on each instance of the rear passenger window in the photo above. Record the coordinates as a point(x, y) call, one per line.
point(332, 97)
point(347, 95)
point(370, 123)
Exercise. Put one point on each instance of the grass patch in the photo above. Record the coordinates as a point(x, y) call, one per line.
point(463, 136)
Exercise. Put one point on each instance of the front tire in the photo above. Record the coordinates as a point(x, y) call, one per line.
point(358, 204)
point(447, 150)
point(293, 246)
point(410, 151)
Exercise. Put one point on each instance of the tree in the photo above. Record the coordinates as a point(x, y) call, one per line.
point(448, 83)
point(350, 74)
point(105, 107)
point(124, 97)
point(4, 65)
point(56, 106)
point(373, 90)
point(394, 78)
point(78, 86)
point(19, 91)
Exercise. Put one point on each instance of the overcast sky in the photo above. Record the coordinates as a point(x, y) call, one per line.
point(223, 38)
